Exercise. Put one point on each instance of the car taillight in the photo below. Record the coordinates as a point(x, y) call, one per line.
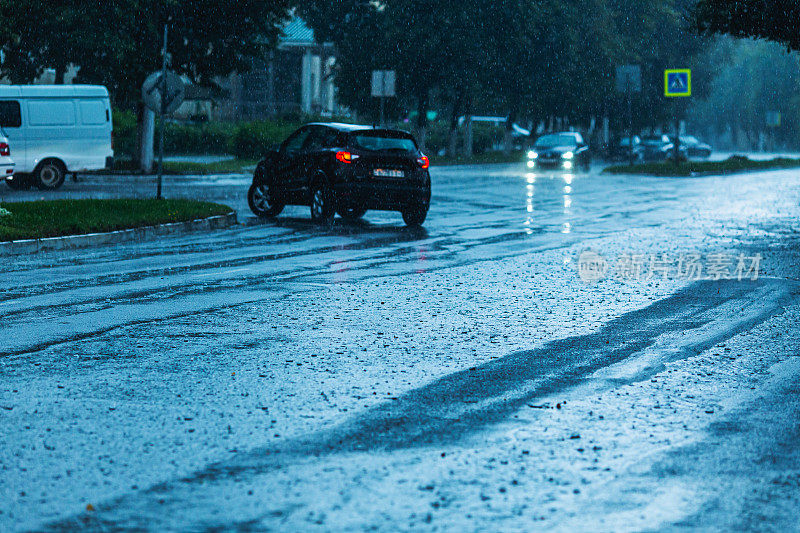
point(346, 157)
point(5, 149)
point(424, 162)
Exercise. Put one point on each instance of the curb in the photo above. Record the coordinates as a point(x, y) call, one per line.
point(31, 246)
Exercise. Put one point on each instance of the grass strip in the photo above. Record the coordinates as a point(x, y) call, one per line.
point(56, 218)
point(732, 165)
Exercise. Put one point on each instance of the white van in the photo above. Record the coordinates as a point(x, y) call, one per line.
point(54, 130)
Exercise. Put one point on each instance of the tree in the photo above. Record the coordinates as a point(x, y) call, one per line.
point(117, 44)
point(415, 38)
point(776, 20)
point(752, 78)
point(528, 60)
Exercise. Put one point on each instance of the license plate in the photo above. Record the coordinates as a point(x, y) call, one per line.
point(387, 173)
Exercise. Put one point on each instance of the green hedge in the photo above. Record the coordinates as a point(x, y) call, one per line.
point(249, 140)
point(124, 133)
point(245, 139)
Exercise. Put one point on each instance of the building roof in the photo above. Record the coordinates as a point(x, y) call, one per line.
point(297, 33)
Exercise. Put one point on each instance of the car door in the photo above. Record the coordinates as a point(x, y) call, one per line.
point(311, 158)
point(288, 163)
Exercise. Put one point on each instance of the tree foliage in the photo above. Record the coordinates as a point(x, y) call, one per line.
point(776, 20)
point(526, 59)
point(752, 78)
point(119, 43)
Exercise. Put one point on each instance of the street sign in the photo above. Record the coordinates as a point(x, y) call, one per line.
point(677, 83)
point(175, 93)
point(773, 119)
point(629, 79)
point(383, 83)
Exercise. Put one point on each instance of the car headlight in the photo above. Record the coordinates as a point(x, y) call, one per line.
point(533, 155)
point(568, 155)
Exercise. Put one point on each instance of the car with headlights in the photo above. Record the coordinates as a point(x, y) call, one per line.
point(566, 151)
point(346, 169)
point(6, 163)
point(696, 148)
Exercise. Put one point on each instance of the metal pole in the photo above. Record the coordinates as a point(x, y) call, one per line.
point(630, 123)
point(161, 115)
point(383, 120)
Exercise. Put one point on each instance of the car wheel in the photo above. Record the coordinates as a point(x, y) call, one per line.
point(19, 183)
point(352, 213)
point(49, 175)
point(415, 216)
point(322, 203)
point(416, 213)
point(261, 201)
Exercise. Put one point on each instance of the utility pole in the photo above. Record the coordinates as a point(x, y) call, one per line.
point(630, 122)
point(161, 115)
point(629, 81)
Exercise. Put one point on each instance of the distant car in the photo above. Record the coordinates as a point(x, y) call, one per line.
point(621, 150)
point(565, 150)
point(660, 148)
point(344, 168)
point(696, 148)
point(6, 163)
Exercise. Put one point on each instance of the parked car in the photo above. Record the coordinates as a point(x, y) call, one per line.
point(621, 150)
point(344, 168)
point(696, 148)
point(55, 130)
point(6, 163)
point(660, 148)
point(565, 150)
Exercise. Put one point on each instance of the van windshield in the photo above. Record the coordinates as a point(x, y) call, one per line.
point(381, 142)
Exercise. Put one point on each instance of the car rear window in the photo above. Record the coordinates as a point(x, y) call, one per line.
point(378, 142)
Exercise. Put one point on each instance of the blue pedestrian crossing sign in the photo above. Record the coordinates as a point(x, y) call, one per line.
point(678, 82)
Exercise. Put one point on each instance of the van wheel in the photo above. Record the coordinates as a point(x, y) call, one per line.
point(49, 175)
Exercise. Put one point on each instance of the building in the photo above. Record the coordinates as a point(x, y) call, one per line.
point(296, 78)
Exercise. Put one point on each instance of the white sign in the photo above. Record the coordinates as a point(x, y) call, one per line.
point(629, 79)
point(773, 119)
point(154, 85)
point(383, 83)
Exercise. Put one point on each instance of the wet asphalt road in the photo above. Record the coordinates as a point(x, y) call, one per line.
point(371, 376)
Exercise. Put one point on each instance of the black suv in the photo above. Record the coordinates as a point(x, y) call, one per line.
point(346, 169)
